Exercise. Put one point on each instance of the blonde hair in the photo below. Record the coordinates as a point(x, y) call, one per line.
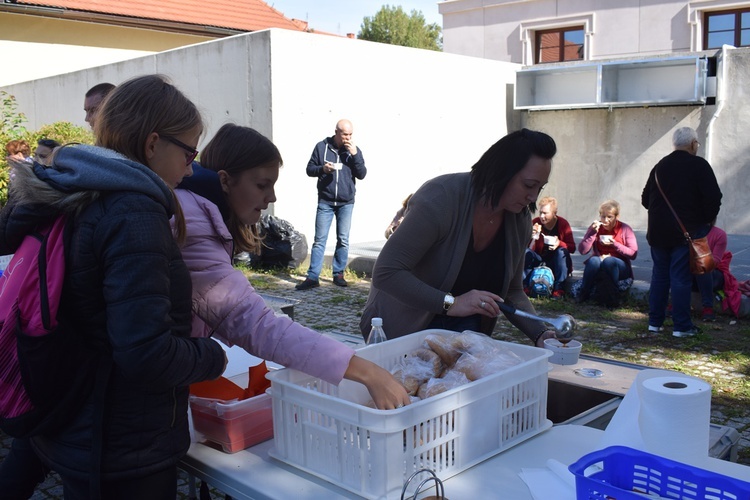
point(139, 107)
point(548, 200)
point(610, 205)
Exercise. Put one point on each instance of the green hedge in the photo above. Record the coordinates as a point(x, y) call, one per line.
point(12, 128)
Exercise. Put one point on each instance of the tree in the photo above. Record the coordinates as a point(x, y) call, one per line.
point(393, 25)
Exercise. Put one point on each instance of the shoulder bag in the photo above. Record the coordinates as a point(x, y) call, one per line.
point(701, 258)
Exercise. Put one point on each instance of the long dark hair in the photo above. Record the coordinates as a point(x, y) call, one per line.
point(236, 149)
point(497, 166)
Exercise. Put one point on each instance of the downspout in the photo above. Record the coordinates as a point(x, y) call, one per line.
point(721, 86)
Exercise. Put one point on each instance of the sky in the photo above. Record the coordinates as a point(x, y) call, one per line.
point(345, 16)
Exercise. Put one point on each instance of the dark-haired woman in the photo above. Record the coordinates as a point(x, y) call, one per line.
point(462, 246)
point(222, 202)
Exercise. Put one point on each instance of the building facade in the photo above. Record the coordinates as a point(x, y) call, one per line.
point(543, 31)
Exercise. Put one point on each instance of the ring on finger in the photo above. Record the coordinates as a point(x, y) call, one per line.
point(482, 304)
point(400, 405)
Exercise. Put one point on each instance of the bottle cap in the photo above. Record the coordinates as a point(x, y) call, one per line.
point(377, 321)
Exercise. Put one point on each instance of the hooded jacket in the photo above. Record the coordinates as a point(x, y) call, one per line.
point(338, 187)
point(127, 291)
point(225, 304)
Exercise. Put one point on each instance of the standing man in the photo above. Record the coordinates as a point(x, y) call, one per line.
point(337, 163)
point(690, 185)
point(551, 245)
point(93, 99)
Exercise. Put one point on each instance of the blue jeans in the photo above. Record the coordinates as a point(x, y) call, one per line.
point(613, 267)
point(557, 261)
point(323, 218)
point(707, 284)
point(670, 271)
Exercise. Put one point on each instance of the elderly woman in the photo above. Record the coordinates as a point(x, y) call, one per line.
point(612, 244)
point(462, 246)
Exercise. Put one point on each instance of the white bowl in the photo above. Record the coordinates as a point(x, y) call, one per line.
point(563, 354)
point(606, 238)
point(549, 240)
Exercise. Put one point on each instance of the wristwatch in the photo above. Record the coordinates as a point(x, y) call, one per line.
point(448, 301)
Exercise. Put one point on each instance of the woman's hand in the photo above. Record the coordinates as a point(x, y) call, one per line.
point(547, 334)
point(596, 225)
point(387, 393)
point(476, 302)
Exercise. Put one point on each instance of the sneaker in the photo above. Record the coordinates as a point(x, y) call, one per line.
point(687, 333)
point(655, 329)
point(708, 314)
point(308, 284)
point(338, 280)
point(558, 294)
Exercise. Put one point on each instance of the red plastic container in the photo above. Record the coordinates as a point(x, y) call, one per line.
point(236, 425)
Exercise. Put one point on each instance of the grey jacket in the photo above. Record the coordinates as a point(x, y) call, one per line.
point(420, 263)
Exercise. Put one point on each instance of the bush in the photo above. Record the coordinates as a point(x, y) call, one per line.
point(12, 128)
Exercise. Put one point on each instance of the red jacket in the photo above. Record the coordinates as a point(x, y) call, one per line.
point(565, 234)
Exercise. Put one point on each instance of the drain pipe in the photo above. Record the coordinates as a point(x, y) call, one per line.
point(720, 99)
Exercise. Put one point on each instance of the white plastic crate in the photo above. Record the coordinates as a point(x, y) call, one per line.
point(325, 430)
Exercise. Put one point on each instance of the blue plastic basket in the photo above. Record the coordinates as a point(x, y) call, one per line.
point(624, 473)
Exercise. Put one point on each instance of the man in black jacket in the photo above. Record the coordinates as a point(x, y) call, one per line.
point(690, 185)
point(337, 163)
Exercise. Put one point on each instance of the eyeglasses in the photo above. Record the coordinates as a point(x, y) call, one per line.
point(191, 152)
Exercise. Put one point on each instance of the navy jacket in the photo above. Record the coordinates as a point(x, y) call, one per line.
point(129, 293)
point(338, 187)
point(690, 184)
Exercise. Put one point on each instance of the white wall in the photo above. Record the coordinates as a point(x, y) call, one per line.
point(38, 60)
point(416, 113)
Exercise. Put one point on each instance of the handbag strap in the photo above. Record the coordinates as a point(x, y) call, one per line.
point(684, 231)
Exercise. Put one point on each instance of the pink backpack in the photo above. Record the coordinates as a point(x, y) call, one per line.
point(43, 364)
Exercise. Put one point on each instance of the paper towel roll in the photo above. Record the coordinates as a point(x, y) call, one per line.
point(666, 413)
point(675, 416)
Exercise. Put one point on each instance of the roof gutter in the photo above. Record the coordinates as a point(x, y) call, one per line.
point(119, 20)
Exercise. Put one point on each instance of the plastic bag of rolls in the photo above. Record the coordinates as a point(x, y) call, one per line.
point(448, 360)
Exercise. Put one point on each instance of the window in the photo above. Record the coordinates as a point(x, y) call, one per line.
point(731, 27)
point(564, 44)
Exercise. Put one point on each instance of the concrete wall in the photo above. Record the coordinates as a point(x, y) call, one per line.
point(504, 29)
point(416, 113)
point(609, 153)
point(36, 47)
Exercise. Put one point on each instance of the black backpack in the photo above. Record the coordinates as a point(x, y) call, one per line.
point(606, 292)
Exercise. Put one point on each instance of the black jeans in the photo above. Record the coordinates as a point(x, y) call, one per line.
point(159, 486)
point(20, 471)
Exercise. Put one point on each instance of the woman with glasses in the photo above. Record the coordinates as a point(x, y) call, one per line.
point(127, 292)
point(222, 202)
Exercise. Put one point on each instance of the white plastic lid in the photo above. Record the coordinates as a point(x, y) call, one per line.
point(377, 321)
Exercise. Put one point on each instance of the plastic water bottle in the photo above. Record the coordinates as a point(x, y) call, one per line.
point(377, 335)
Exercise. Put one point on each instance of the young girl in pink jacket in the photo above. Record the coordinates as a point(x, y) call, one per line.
point(222, 202)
